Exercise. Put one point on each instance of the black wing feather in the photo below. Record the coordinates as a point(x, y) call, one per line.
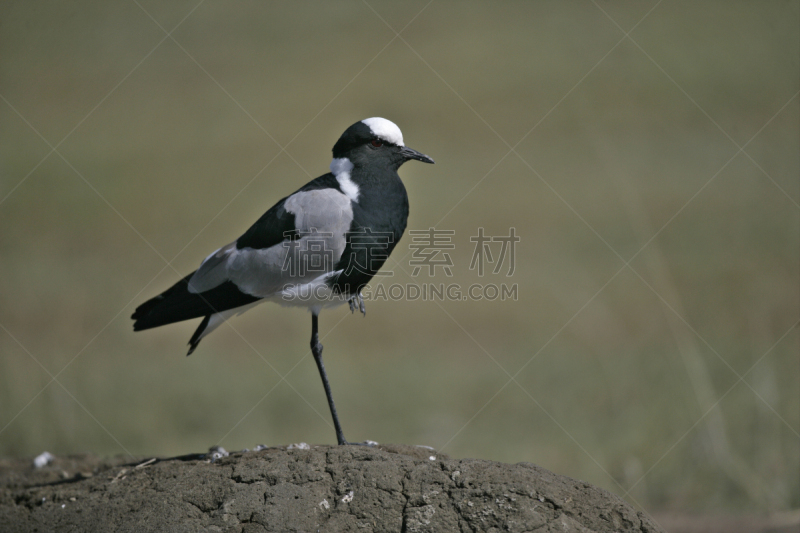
point(177, 304)
point(277, 224)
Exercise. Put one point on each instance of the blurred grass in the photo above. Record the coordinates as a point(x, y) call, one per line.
point(627, 378)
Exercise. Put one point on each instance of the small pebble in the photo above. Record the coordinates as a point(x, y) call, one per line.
point(215, 453)
point(298, 446)
point(218, 449)
point(260, 447)
point(348, 497)
point(43, 459)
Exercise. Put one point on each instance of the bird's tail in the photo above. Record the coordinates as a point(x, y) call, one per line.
point(173, 305)
point(177, 304)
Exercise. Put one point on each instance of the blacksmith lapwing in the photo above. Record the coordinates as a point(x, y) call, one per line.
point(316, 248)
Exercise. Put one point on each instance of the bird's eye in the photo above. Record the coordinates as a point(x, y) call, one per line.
point(376, 143)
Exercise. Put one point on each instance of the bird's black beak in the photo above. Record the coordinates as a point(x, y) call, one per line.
point(408, 153)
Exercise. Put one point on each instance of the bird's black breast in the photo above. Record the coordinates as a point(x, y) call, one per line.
point(379, 220)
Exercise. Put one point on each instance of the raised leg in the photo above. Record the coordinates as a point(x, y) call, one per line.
point(357, 302)
point(316, 350)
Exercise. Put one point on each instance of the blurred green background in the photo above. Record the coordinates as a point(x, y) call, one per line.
point(652, 179)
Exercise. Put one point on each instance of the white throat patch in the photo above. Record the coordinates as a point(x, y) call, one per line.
point(341, 167)
point(385, 129)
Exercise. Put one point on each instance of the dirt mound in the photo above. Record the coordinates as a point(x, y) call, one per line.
point(323, 488)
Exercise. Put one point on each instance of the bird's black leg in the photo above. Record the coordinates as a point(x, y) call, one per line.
point(316, 350)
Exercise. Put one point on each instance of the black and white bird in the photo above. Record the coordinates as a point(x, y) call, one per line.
point(316, 248)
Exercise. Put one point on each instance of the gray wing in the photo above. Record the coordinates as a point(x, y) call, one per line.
point(322, 218)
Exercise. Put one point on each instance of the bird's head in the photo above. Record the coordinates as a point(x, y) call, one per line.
point(375, 141)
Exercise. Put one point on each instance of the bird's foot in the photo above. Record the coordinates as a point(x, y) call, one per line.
point(370, 443)
point(357, 302)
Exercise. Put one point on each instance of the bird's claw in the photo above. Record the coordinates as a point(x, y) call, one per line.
point(357, 302)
